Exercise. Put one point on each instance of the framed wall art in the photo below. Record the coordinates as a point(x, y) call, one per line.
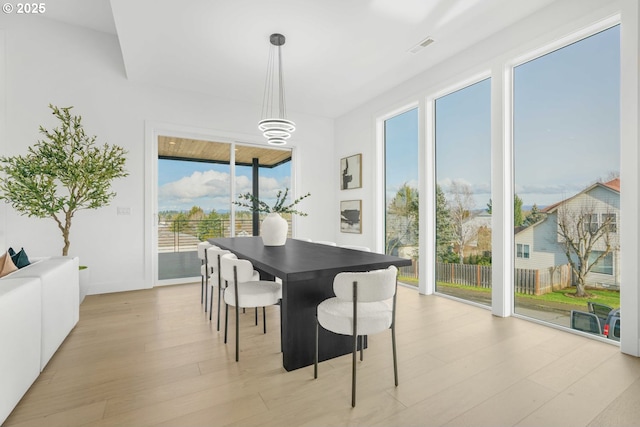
point(351, 172)
point(351, 216)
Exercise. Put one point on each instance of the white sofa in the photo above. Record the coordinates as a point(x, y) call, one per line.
point(39, 306)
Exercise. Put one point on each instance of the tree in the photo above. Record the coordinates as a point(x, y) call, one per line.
point(582, 236)
point(517, 210)
point(534, 216)
point(62, 174)
point(402, 229)
point(210, 226)
point(518, 218)
point(444, 227)
point(460, 206)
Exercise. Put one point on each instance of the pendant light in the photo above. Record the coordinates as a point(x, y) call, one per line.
point(274, 124)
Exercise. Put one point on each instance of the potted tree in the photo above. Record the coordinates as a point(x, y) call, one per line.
point(274, 228)
point(61, 174)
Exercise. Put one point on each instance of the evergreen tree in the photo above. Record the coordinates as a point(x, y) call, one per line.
point(444, 227)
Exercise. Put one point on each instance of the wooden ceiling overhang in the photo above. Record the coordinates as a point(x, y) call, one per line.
point(195, 150)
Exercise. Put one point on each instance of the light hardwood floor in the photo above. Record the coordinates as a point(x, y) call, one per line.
point(151, 358)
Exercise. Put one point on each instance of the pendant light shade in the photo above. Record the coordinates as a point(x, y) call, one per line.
point(274, 124)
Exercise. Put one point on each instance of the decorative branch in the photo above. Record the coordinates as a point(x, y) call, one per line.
point(256, 205)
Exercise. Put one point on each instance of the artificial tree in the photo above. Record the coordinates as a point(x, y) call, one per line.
point(62, 174)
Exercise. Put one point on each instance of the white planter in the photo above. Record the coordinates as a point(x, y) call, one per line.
point(85, 279)
point(274, 230)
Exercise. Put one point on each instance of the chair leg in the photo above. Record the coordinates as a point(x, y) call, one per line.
point(353, 371)
point(201, 289)
point(211, 304)
point(256, 316)
point(237, 333)
point(315, 357)
point(395, 357)
point(206, 292)
point(219, 297)
point(361, 348)
point(226, 321)
point(264, 318)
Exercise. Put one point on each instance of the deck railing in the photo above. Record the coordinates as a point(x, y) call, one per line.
point(184, 235)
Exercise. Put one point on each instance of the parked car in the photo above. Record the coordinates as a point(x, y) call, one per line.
point(600, 320)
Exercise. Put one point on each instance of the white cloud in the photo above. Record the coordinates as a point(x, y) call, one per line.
point(210, 190)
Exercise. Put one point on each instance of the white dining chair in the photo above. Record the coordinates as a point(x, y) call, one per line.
point(213, 257)
point(244, 292)
point(204, 271)
point(360, 308)
point(214, 254)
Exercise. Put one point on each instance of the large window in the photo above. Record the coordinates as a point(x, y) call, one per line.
point(401, 190)
point(566, 123)
point(463, 193)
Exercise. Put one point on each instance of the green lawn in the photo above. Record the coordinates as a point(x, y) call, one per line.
point(610, 298)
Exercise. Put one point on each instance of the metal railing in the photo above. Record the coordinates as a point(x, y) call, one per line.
point(184, 235)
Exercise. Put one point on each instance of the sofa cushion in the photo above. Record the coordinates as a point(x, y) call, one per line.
point(20, 259)
point(6, 265)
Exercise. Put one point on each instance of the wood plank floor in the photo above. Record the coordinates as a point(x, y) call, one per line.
point(151, 358)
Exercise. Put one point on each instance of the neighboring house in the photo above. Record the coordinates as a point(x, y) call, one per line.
point(540, 247)
point(476, 222)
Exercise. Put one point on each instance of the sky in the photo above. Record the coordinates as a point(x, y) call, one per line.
point(566, 127)
point(566, 136)
point(183, 184)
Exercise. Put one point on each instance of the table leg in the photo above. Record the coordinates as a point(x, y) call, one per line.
point(299, 302)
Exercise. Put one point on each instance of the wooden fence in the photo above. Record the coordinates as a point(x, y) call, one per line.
point(531, 282)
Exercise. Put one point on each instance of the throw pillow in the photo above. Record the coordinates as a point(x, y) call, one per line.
point(6, 265)
point(19, 259)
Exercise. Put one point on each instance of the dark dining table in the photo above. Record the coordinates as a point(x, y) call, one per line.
point(307, 270)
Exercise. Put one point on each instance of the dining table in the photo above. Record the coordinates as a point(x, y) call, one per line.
point(306, 270)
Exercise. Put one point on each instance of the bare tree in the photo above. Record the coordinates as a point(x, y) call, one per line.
point(585, 231)
point(461, 204)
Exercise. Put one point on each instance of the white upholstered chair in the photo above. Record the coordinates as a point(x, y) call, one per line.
point(360, 308)
point(244, 292)
point(213, 258)
point(204, 271)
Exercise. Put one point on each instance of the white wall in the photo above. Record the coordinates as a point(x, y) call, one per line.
point(356, 132)
point(50, 62)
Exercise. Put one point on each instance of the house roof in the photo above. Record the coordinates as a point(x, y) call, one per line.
point(613, 185)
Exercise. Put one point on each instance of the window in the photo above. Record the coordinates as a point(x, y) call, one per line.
point(401, 191)
point(522, 251)
point(590, 223)
point(558, 154)
point(463, 193)
point(610, 221)
point(604, 266)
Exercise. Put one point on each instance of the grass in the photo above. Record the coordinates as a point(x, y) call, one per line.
point(610, 298)
point(408, 280)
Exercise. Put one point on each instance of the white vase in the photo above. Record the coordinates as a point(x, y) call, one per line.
point(274, 230)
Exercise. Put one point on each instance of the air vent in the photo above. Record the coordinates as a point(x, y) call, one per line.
point(424, 43)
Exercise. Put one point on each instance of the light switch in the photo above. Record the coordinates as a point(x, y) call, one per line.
point(124, 210)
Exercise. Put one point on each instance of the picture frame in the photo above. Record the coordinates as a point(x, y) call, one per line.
point(351, 216)
point(351, 172)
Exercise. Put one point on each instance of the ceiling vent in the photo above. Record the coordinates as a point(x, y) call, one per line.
point(424, 43)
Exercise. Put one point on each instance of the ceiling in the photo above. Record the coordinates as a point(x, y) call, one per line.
point(338, 55)
point(219, 152)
